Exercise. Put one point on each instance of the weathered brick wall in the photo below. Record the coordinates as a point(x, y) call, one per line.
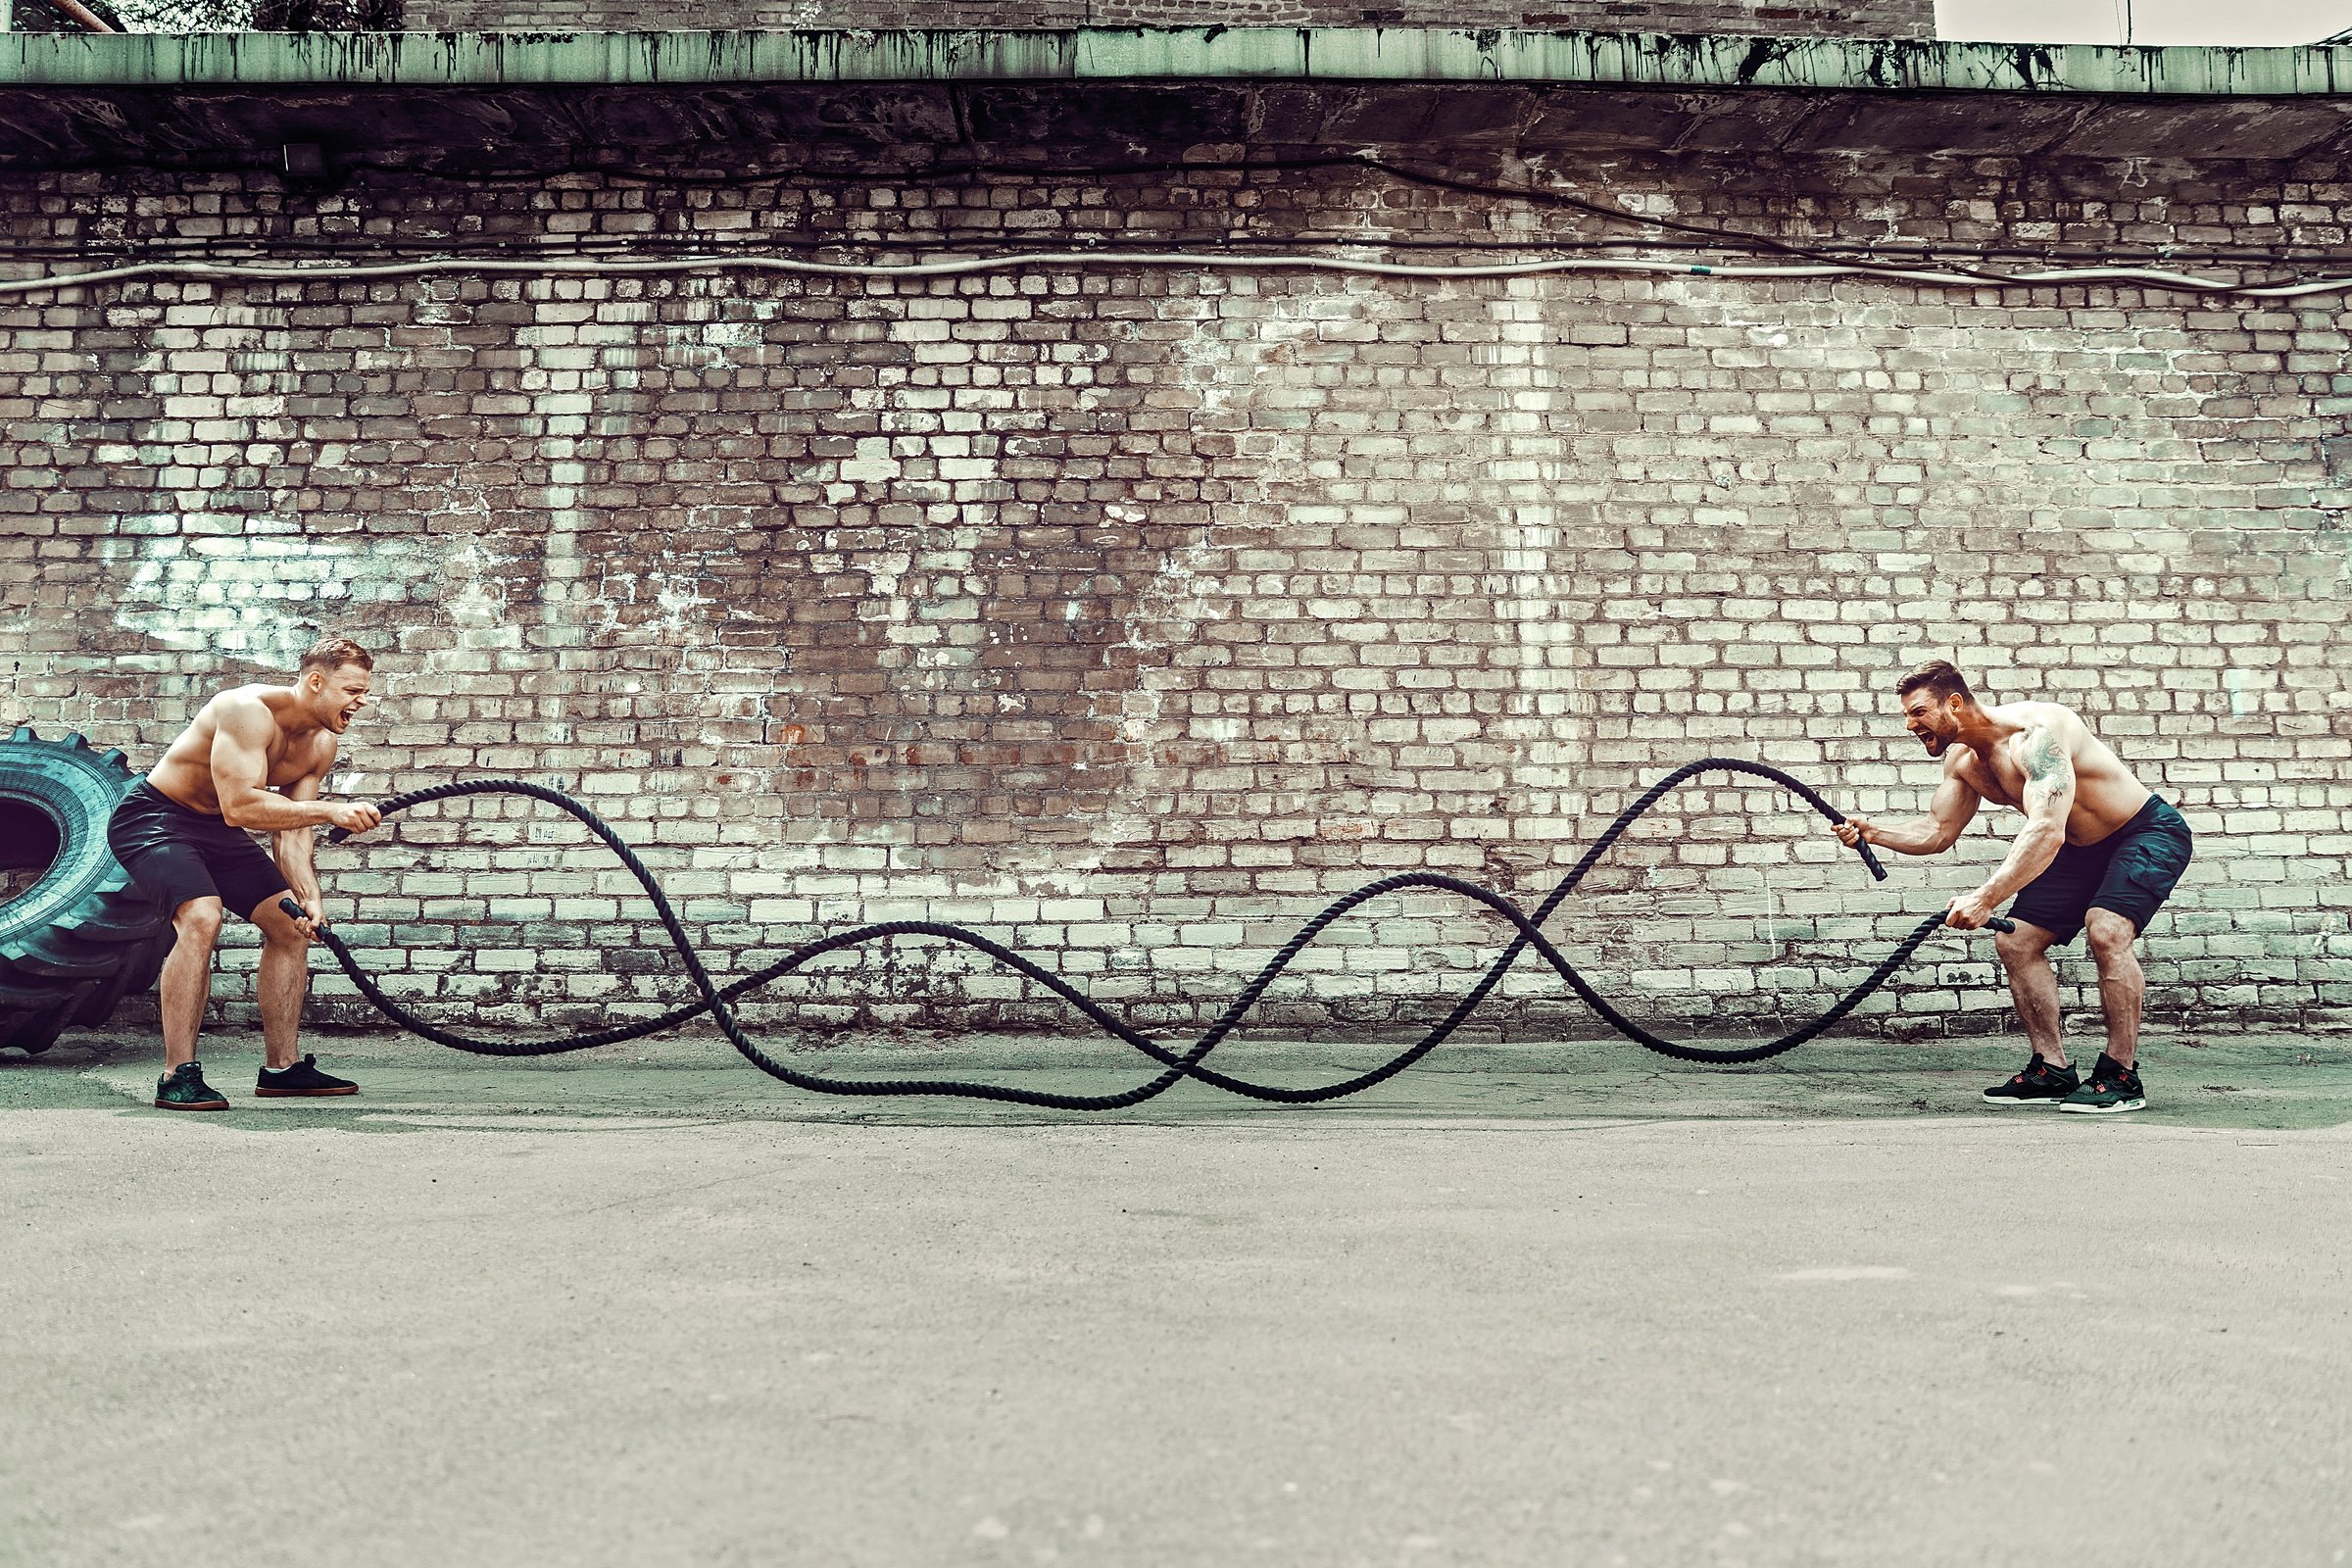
point(1872, 18)
point(1131, 615)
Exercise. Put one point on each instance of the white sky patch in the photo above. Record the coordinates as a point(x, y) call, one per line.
point(2246, 24)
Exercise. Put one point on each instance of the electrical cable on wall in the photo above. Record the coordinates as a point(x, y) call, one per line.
point(965, 267)
point(1698, 235)
point(1933, 265)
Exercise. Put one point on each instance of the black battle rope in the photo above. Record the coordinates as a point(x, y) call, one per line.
point(716, 999)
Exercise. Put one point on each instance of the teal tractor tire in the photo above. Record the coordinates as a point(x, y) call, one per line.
point(81, 936)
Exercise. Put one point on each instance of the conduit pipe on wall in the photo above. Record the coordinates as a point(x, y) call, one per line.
point(623, 266)
point(83, 17)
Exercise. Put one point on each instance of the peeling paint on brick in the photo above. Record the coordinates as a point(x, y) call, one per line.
point(1131, 615)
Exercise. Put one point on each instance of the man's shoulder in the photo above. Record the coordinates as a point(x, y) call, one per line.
point(241, 705)
point(1963, 763)
point(2039, 715)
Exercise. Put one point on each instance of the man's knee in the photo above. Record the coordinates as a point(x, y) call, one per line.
point(2025, 944)
point(2108, 935)
point(198, 921)
point(281, 934)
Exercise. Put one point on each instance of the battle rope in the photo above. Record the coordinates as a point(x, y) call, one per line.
point(716, 999)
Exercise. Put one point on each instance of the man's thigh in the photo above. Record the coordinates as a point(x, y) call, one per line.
point(2057, 900)
point(2144, 871)
point(178, 857)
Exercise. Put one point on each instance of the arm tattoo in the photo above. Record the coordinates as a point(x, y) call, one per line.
point(2049, 774)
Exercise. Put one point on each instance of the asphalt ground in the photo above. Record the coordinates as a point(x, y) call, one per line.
point(1544, 1305)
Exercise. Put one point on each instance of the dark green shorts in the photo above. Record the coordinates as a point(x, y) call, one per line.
point(2132, 870)
point(177, 854)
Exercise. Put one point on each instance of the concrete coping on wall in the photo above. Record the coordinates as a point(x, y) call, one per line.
point(1507, 56)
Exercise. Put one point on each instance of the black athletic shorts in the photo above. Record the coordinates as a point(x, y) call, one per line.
point(176, 854)
point(2132, 871)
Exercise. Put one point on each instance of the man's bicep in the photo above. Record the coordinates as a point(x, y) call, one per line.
point(240, 756)
point(1954, 806)
point(312, 781)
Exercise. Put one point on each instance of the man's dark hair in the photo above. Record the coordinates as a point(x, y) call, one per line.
point(1939, 679)
point(331, 653)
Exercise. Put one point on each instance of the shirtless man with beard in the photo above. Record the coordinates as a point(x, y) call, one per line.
point(2099, 854)
point(251, 762)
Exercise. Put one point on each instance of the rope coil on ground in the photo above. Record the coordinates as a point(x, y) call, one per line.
point(1189, 1063)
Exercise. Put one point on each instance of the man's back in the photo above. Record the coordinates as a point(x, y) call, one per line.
point(2106, 794)
point(185, 772)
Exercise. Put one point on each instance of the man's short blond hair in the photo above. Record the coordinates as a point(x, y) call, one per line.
point(331, 653)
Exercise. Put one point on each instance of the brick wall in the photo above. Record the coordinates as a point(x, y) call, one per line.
point(1131, 615)
point(1873, 18)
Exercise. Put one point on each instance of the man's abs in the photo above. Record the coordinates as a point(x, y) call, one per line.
point(184, 783)
point(2103, 808)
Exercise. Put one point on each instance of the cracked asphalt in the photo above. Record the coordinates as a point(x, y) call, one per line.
point(1543, 1305)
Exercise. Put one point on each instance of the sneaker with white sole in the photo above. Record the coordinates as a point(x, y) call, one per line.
point(2112, 1089)
point(2040, 1084)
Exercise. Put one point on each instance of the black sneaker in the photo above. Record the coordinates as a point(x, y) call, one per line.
point(303, 1079)
point(2040, 1084)
point(183, 1089)
point(2112, 1089)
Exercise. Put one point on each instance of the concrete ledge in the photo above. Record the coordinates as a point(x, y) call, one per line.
point(81, 101)
point(1204, 54)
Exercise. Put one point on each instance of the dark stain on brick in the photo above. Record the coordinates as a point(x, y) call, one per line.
point(1242, 594)
point(1763, 52)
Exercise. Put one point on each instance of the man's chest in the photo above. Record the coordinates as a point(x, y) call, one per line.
point(1996, 775)
point(286, 762)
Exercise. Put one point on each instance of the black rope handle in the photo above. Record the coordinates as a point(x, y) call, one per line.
point(716, 1001)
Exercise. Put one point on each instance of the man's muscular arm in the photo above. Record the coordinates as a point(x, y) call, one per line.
point(293, 848)
point(1954, 806)
point(240, 765)
point(2049, 794)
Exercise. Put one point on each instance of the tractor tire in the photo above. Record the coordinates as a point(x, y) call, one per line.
point(81, 937)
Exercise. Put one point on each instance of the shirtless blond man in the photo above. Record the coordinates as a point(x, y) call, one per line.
point(252, 761)
point(2099, 854)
